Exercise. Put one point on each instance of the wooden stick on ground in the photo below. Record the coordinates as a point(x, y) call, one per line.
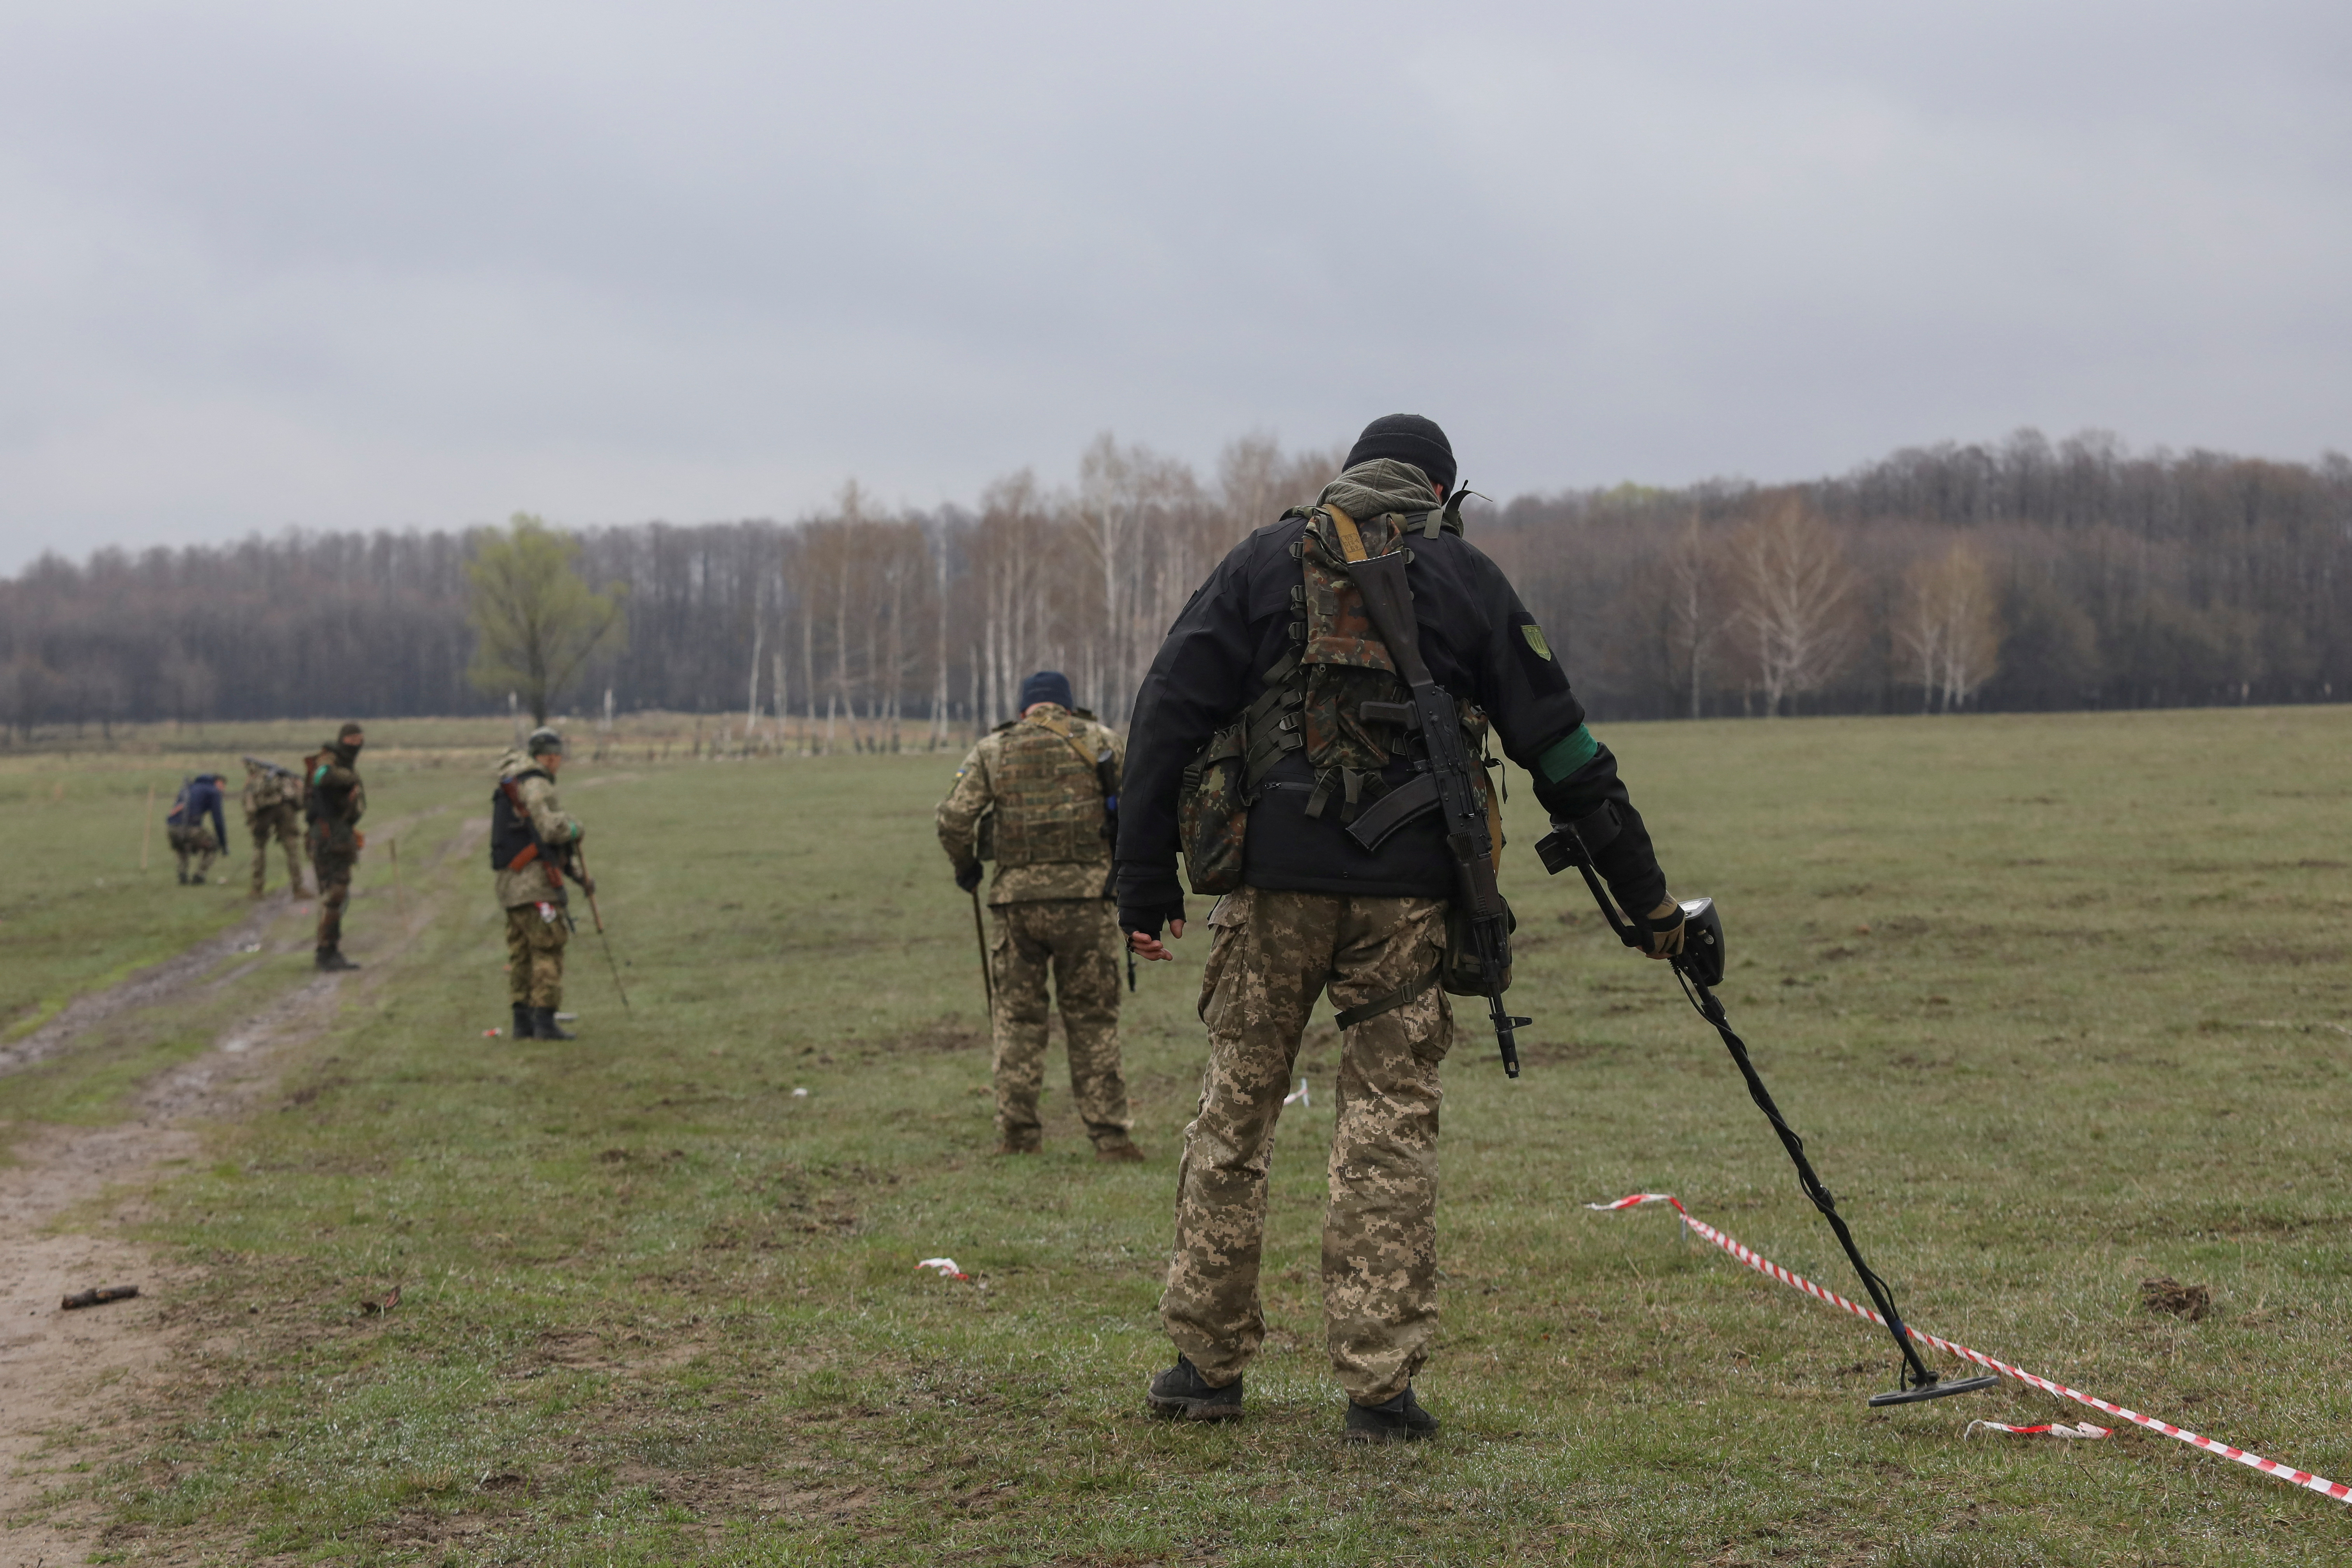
point(398, 907)
point(147, 833)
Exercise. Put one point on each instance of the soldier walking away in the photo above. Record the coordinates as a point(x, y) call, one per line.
point(192, 836)
point(273, 811)
point(532, 845)
point(1259, 736)
point(1040, 794)
point(334, 800)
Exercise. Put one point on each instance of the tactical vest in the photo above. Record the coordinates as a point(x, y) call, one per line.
point(513, 842)
point(1050, 801)
point(1313, 703)
point(1315, 696)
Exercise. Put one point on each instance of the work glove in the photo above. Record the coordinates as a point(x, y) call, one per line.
point(1141, 930)
point(588, 886)
point(1663, 926)
point(1148, 922)
point(967, 876)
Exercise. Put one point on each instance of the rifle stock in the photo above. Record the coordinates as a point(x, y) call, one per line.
point(1437, 721)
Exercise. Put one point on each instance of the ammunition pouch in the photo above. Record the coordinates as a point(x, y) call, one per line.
point(1212, 811)
point(1221, 783)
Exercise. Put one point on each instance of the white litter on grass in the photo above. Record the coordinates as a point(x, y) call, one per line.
point(251, 947)
point(1297, 1095)
point(800, 1094)
point(2053, 1429)
point(946, 1267)
point(567, 1017)
point(239, 1044)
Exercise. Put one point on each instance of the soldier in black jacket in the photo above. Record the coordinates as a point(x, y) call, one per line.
point(1278, 635)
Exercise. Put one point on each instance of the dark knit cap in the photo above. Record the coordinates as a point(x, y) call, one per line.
point(1409, 439)
point(347, 731)
point(1047, 686)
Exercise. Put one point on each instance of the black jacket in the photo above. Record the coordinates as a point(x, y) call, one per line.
point(1472, 638)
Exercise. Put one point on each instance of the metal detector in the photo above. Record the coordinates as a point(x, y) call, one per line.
point(1699, 969)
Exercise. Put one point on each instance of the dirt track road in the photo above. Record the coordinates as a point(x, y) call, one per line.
point(82, 1372)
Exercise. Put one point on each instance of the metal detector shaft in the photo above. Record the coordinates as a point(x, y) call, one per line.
point(596, 916)
point(1918, 1380)
point(987, 980)
point(1881, 1296)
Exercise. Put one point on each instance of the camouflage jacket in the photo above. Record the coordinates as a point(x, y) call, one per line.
point(556, 831)
point(1030, 798)
point(336, 800)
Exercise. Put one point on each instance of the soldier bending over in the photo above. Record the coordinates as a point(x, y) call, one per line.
point(191, 836)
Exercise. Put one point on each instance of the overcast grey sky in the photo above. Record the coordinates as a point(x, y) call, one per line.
point(266, 264)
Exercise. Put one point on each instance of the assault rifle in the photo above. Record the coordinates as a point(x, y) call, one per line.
point(267, 766)
point(1442, 778)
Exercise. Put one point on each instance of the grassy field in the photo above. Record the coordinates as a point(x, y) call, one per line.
point(2056, 1011)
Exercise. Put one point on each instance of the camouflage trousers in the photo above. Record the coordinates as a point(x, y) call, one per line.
point(195, 844)
point(284, 824)
point(1273, 953)
point(1078, 940)
point(334, 874)
point(535, 955)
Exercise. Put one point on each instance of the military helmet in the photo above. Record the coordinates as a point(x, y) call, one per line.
point(542, 741)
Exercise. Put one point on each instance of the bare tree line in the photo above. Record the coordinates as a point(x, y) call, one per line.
point(2022, 575)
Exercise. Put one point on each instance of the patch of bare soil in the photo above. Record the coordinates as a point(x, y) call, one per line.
point(2166, 1294)
point(82, 1373)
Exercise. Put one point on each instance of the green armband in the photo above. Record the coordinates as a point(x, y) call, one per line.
point(1567, 754)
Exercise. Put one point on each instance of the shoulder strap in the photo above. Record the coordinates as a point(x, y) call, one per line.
point(1351, 539)
point(1069, 737)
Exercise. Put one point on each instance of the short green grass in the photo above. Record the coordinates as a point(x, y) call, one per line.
point(2056, 1009)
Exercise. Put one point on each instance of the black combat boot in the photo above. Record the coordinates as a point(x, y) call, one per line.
point(183, 876)
point(1182, 1391)
point(543, 1025)
point(332, 961)
point(524, 1029)
point(1401, 1420)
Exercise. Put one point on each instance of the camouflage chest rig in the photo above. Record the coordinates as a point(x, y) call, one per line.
point(1314, 702)
point(1056, 793)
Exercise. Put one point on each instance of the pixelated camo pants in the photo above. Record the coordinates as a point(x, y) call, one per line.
point(1273, 954)
point(1077, 942)
point(535, 955)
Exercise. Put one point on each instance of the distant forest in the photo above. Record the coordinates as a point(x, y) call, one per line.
point(2025, 576)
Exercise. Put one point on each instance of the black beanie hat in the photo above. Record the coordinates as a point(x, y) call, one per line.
point(1047, 686)
point(1409, 439)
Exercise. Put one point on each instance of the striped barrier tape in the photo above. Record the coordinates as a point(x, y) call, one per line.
point(1763, 1264)
point(2049, 1428)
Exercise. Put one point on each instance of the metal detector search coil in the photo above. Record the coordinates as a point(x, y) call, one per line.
point(1739, 1250)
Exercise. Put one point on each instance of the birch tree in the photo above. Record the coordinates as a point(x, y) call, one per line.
point(1948, 634)
point(1795, 614)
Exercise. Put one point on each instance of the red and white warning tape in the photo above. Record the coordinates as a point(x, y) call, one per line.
point(2048, 1428)
point(1763, 1264)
